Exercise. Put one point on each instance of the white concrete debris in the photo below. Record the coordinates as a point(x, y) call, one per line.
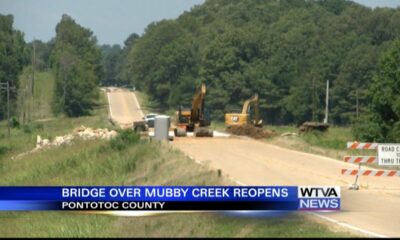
point(80, 132)
point(85, 133)
point(289, 134)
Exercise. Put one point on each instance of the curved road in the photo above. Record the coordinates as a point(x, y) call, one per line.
point(374, 210)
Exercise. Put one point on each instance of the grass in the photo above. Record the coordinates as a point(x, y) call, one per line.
point(334, 138)
point(130, 161)
point(126, 160)
point(43, 122)
point(146, 105)
point(37, 106)
point(24, 138)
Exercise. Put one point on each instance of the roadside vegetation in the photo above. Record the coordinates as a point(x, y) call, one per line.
point(128, 160)
point(35, 117)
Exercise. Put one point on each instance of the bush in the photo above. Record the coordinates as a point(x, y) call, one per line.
point(367, 129)
point(29, 128)
point(4, 150)
point(14, 123)
point(124, 139)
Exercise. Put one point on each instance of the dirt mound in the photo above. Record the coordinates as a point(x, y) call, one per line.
point(251, 131)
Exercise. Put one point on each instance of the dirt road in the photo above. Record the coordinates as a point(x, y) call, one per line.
point(374, 210)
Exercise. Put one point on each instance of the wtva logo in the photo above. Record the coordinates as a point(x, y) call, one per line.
point(319, 198)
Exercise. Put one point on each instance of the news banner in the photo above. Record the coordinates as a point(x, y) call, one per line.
point(171, 198)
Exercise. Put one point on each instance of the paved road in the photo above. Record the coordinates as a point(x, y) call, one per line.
point(374, 210)
point(124, 107)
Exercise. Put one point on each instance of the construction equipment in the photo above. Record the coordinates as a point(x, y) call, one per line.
point(194, 119)
point(245, 117)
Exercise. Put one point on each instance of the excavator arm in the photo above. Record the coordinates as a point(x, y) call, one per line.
point(197, 111)
point(253, 102)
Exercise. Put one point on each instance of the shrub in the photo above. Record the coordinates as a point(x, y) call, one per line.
point(4, 150)
point(124, 139)
point(14, 122)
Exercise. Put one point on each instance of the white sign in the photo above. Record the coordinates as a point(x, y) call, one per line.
point(389, 154)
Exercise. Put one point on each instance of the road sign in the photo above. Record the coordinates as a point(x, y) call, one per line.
point(389, 154)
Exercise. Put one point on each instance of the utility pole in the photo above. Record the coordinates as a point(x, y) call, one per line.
point(7, 87)
point(326, 102)
point(313, 104)
point(357, 103)
point(31, 110)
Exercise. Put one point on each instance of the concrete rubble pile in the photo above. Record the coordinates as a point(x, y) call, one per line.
point(85, 133)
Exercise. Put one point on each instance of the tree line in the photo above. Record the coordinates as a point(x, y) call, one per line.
point(73, 56)
point(283, 50)
point(14, 55)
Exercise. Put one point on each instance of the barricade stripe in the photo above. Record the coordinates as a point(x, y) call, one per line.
point(360, 159)
point(366, 172)
point(371, 160)
point(376, 173)
point(357, 145)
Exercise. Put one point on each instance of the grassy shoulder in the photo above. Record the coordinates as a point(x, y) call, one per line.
point(332, 143)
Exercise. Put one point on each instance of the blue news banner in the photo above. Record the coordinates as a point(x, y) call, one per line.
point(171, 198)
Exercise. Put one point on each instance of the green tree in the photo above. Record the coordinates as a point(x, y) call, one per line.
point(283, 50)
point(76, 61)
point(42, 51)
point(13, 57)
point(382, 122)
point(110, 60)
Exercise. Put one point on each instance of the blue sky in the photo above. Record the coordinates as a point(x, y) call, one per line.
point(112, 21)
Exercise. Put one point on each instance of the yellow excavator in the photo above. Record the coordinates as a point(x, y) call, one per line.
point(245, 117)
point(194, 119)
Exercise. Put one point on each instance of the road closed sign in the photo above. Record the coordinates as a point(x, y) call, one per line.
point(388, 154)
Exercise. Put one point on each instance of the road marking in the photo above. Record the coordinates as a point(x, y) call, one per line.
point(137, 104)
point(109, 105)
point(240, 183)
point(349, 226)
point(346, 225)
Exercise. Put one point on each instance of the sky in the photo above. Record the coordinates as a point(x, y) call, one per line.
point(112, 21)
